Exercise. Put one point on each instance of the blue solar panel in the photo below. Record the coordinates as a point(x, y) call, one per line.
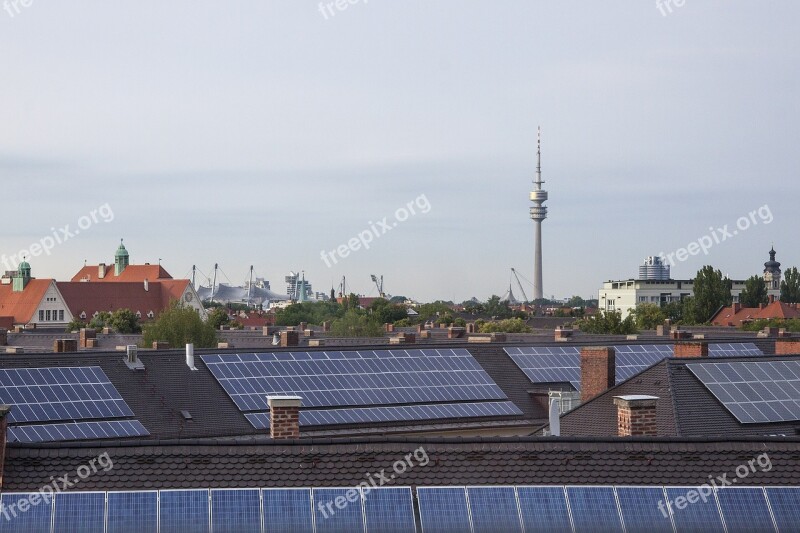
point(443, 509)
point(544, 509)
point(35, 519)
point(184, 511)
point(79, 512)
point(338, 510)
point(745, 509)
point(594, 509)
point(644, 509)
point(698, 516)
point(328, 379)
point(494, 509)
point(287, 511)
point(60, 393)
point(394, 414)
point(76, 431)
point(235, 510)
point(734, 349)
point(389, 510)
point(785, 505)
point(132, 512)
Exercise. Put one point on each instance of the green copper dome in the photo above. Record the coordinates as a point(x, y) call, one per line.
point(121, 251)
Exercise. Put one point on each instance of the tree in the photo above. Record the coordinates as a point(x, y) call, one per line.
point(648, 316)
point(386, 312)
point(608, 323)
point(355, 324)
point(511, 325)
point(218, 317)
point(711, 291)
point(576, 301)
point(754, 292)
point(100, 320)
point(473, 307)
point(76, 324)
point(674, 311)
point(790, 286)
point(124, 321)
point(497, 309)
point(178, 326)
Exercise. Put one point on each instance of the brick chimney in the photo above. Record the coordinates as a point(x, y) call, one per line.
point(691, 349)
point(284, 417)
point(771, 298)
point(736, 307)
point(4, 409)
point(290, 338)
point(598, 371)
point(787, 346)
point(636, 416)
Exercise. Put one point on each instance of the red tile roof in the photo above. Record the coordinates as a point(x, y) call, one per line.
point(736, 314)
point(91, 298)
point(20, 306)
point(131, 273)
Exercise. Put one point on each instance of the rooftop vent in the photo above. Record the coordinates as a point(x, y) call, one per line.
point(132, 357)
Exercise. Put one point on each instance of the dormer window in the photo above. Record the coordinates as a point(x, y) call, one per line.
point(150, 314)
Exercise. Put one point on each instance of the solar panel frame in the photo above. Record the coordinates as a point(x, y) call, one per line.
point(587, 505)
point(494, 509)
point(784, 503)
point(745, 506)
point(698, 516)
point(537, 509)
point(38, 518)
point(194, 511)
point(79, 512)
point(389, 510)
point(632, 504)
point(348, 519)
point(287, 510)
point(140, 512)
point(227, 517)
point(76, 431)
point(431, 502)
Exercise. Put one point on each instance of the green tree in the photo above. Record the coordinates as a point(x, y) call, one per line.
point(711, 291)
point(124, 321)
point(608, 323)
point(386, 312)
point(790, 286)
point(497, 309)
point(310, 312)
point(754, 292)
point(433, 310)
point(674, 311)
point(355, 324)
point(473, 307)
point(576, 301)
point(178, 326)
point(510, 325)
point(218, 317)
point(648, 316)
point(76, 324)
point(100, 320)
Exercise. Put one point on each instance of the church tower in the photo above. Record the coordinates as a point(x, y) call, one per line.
point(772, 272)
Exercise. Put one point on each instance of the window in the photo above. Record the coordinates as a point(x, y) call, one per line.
point(61, 315)
point(83, 315)
point(41, 315)
point(150, 314)
point(47, 316)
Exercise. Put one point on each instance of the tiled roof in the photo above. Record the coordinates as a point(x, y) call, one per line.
point(131, 273)
point(22, 305)
point(523, 461)
point(735, 314)
point(95, 297)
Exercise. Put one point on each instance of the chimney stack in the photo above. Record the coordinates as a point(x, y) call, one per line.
point(772, 298)
point(636, 416)
point(4, 409)
point(284, 417)
point(190, 356)
point(101, 270)
point(146, 285)
point(598, 371)
point(691, 349)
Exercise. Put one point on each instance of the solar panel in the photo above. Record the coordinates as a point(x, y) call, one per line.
point(36, 519)
point(184, 511)
point(745, 509)
point(389, 510)
point(393, 414)
point(79, 512)
point(287, 510)
point(698, 516)
point(754, 391)
point(644, 509)
point(494, 509)
point(76, 431)
point(785, 505)
point(60, 393)
point(132, 512)
point(338, 510)
point(443, 509)
point(734, 349)
point(544, 509)
point(235, 510)
point(594, 509)
point(331, 379)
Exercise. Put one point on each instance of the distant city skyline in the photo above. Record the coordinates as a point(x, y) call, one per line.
point(264, 134)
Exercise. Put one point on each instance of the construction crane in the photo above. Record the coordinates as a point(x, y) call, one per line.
point(519, 284)
point(378, 284)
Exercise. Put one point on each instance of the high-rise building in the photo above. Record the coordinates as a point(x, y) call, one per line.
point(654, 268)
point(538, 214)
point(294, 284)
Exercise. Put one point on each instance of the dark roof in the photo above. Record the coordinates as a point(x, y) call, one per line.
point(521, 461)
point(686, 408)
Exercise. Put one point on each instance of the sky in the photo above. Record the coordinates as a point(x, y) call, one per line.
point(399, 139)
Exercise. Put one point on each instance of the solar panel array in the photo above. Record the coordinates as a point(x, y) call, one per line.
point(72, 403)
point(562, 364)
point(377, 386)
point(754, 391)
point(391, 510)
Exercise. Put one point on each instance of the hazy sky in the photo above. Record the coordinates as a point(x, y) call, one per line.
point(266, 132)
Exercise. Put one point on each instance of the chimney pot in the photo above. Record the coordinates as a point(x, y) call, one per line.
point(598, 371)
point(636, 415)
point(284, 417)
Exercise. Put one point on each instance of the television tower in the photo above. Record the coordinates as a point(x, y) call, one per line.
point(538, 214)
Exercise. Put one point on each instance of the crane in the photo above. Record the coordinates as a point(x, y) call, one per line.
point(379, 285)
point(519, 284)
